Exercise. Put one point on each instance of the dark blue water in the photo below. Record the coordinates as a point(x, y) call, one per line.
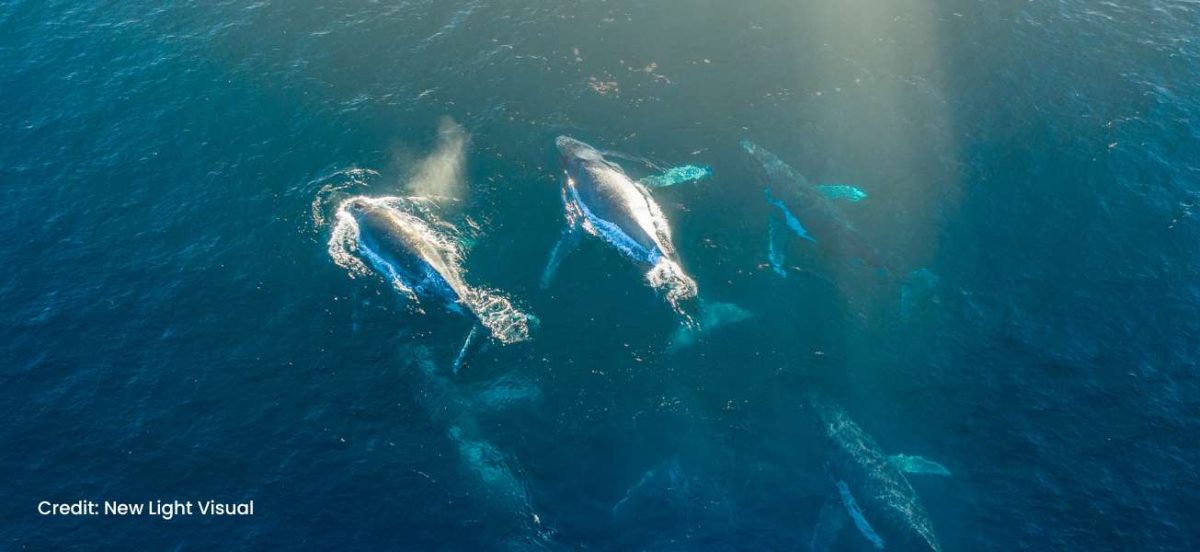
point(173, 326)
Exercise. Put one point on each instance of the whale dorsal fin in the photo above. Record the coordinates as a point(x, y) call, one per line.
point(917, 465)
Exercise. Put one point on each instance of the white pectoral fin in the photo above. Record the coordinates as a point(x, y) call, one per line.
point(830, 522)
point(857, 516)
point(794, 225)
point(789, 218)
point(566, 244)
point(917, 465)
point(775, 245)
point(677, 175)
point(468, 347)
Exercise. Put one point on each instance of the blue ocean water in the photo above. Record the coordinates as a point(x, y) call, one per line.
point(175, 329)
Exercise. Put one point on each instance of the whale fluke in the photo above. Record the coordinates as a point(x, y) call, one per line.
point(711, 316)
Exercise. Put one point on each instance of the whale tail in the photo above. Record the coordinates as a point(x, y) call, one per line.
point(497, 313)
point(668, 277)
point(711, 316)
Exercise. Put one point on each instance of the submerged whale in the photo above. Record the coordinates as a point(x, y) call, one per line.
point(809, 212)
point(492, 475)
point(602, 201)
point(422, 262)
point(870, 488)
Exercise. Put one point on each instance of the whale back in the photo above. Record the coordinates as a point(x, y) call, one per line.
point(410, 247)
point(887, 500)
point(609, 195)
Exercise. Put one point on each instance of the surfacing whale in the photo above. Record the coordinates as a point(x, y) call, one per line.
point(418, 256)
point(870, 487)
point(601, 200)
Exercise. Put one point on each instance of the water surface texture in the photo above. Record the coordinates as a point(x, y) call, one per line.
point(172, 325)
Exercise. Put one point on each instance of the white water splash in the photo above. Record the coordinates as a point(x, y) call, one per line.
point(505, 322)
point(343, 243)
point(497, 312)
point(667, 276)
point(333, 187)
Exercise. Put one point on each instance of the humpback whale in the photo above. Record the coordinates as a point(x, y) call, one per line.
point(422, 262)
point(492, 474)
point(602, 201)
point(811, 213)
point(824, 224)
point(870, 487)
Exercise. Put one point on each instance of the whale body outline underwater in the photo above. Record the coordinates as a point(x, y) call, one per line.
point(414, 256)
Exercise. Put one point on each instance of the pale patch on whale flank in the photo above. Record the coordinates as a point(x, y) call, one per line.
point(856, 515)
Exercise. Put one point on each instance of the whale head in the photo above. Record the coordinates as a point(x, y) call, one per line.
point(572, 152)
point(371, 218)
point(358, 207)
